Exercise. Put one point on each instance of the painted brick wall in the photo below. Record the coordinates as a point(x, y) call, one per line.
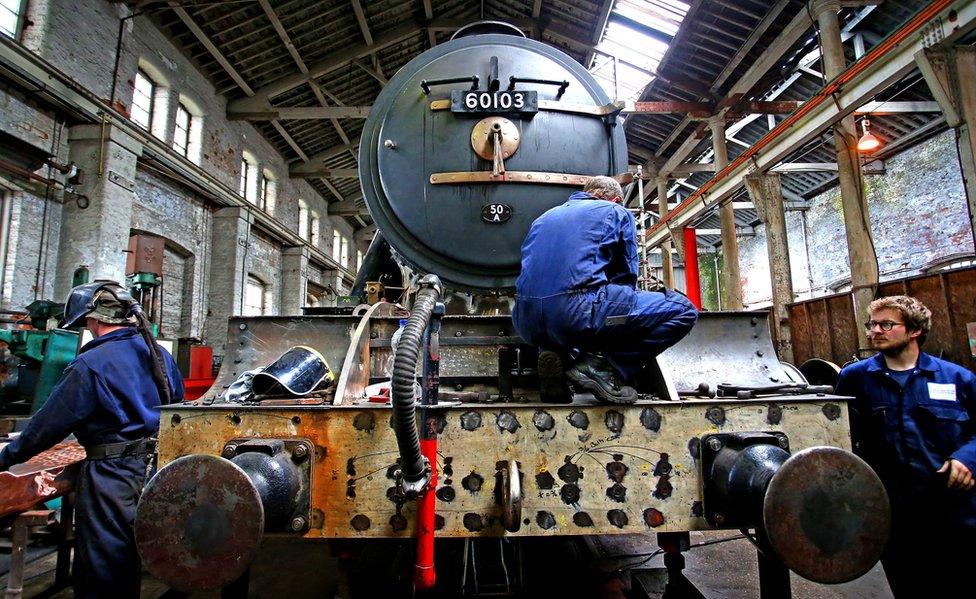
point(918, 216)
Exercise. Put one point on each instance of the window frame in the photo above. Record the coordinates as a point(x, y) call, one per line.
point(18, 19)
point(187, 132)
point(303, 221)
point(251, 283)
point(249, 170)
point(150, 112)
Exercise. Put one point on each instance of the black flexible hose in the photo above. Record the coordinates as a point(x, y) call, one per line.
point(403, 379)
point(155, 357)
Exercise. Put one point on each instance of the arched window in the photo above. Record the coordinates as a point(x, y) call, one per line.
point(269, 192)
point(254, 297)
point(313, 226)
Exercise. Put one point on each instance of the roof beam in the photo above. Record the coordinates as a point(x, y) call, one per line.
point(348, 207)
point(335, 61)
point(268, 112)
point(877, 70)
point(748, 44)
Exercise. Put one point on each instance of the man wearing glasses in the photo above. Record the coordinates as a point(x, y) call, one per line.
point(912, 419)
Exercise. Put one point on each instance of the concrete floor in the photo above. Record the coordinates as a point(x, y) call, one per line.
point(552, 569)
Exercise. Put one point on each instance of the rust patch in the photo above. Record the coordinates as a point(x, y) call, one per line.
point(364, 421)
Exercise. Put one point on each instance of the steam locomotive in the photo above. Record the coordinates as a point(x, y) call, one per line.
point(464, 148)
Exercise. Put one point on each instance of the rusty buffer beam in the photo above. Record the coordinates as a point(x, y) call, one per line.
point(51, 474)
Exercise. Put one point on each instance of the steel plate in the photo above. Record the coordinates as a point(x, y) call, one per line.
point(827, 515)
point(199, 523)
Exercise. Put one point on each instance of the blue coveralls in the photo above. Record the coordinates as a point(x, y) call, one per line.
point(106, 395)
point(577, 289)
point(906, 434)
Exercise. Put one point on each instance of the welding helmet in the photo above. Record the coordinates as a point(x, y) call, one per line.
point(105, 301)
point(298, 371)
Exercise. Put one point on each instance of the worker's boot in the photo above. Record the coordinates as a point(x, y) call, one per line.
point(595, 374)
point(553, 386)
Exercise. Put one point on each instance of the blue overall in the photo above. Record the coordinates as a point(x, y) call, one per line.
point(107, 395)
point(906, 430)
point(577, 289)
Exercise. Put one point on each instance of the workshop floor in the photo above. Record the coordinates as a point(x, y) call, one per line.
point(552, 569)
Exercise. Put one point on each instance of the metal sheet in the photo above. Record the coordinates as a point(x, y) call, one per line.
point(725, 347)
point(48, 475)
point(588, 469)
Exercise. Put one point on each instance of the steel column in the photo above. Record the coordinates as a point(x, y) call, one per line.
point(857, 221)
point(730, 245)
point(766, 193)
point(667, 264)
point(692, 282)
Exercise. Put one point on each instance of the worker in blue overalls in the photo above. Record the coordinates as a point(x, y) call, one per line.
point(109, 398)
point(912, 420)
point(577, 298)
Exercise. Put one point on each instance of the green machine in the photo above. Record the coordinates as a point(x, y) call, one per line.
point(45, 352)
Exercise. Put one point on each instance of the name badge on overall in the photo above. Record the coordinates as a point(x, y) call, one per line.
point(942, 391)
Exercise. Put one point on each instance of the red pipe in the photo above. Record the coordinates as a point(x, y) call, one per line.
point(824, 95)
point(692, 281)
point(424, 575)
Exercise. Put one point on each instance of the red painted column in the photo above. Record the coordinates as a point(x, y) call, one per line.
point(692, 281)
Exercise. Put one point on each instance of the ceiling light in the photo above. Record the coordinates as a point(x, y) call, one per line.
point(868, 142)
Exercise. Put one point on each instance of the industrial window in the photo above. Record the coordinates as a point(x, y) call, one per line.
point(181, 135)
point(303, 220)
point(636, 36)
point(249, 176)
point(336, 244)
point(10, 17)
point(344, 256)
point(359, 261)
point(143, 100)
point(254, 297)
point(269, 192)
point(313, 226)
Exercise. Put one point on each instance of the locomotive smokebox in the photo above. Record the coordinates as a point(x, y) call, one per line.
point(474, 139)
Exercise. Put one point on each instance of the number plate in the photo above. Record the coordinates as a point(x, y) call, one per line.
point(478, 102)
point(496, 213)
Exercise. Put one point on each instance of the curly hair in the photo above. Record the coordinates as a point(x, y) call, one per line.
point(603, 187)
point(917, 317)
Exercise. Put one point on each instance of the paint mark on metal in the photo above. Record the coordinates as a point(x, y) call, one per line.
point(774, 414)
point(448, 467)
point(470, 420)
point(438, 522)
point(831, 411)
point(473, 482)
point(617, 492)
point(398, 522)
point(569, 472)
point(364, 421)
point(544, 480)
point(351, 488)
point(697, 509)
point(663, 466)
point(653, 517)
point(351, 466)
point(582, 519)
point(446, 494)
point(507, 421)
point(614, 421)
point(650, 419)
point(617, 470)
point(360, 522)
point(569, 493)
point(715, 415)
point(618, 518)
point(473, 522)
point(664, 487)
point(543, 421)
point(694, 447)
point(545, 520)
point(579, 419)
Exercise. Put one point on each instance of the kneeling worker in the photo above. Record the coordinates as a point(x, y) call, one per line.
point(577, 297)
point(109, 398)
